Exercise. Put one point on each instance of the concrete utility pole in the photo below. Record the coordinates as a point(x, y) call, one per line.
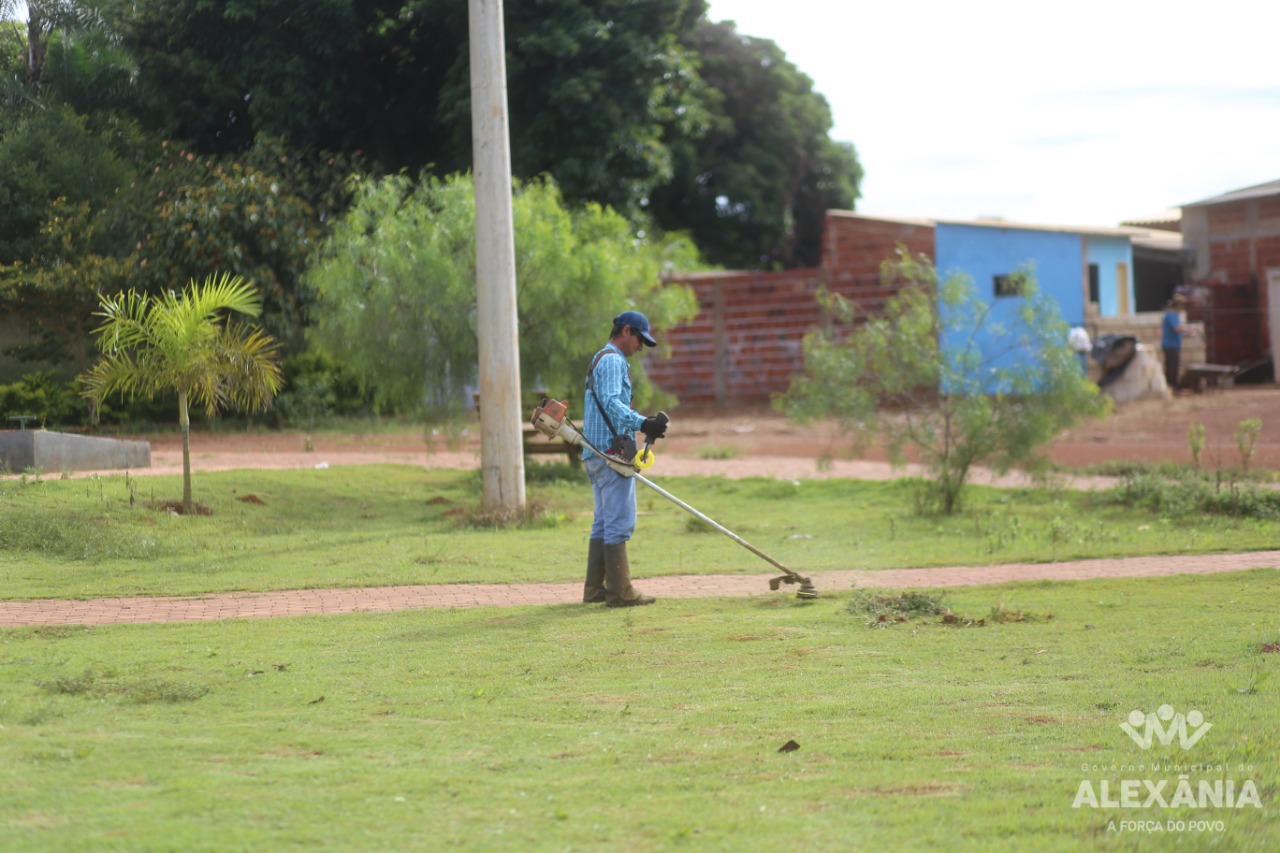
point(501, 445)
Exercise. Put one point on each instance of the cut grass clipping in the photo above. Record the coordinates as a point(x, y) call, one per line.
point(884, 609)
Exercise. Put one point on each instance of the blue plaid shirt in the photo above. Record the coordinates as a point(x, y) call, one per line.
point(612, 385)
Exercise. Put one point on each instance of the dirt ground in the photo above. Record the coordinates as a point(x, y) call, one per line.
point(760, 442)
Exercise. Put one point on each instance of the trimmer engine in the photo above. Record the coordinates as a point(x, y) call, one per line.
point(549, 419)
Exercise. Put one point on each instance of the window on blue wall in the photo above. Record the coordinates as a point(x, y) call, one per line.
point(1013, 284)
point(1094, 287)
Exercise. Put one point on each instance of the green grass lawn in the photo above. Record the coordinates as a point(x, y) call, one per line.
point(582, 728)
point(381, 525)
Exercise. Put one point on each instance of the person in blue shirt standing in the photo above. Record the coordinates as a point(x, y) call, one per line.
point(1171, 332)
point(607, 416)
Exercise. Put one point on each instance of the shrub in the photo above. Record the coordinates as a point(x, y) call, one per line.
point(1188, 496)
point(317, 386)
point(51, 401)
point(944, 373)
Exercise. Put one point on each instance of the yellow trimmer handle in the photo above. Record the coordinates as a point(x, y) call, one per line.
point(644, 459)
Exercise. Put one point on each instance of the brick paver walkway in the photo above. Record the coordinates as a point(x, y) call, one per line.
point(305, 602)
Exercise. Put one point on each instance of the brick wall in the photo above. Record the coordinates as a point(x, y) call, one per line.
point(854, 245)
point(1241, 242)
point(745, 343)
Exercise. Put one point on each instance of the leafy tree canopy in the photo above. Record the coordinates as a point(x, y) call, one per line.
point(753, 191)
point(258, 215)
point(594, 86)
point(58, 171)
point(144, 214)
point(395, 288)
point(642, 107)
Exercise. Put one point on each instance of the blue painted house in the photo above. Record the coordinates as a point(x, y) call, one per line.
point(1088, 271)
point(1076, 266)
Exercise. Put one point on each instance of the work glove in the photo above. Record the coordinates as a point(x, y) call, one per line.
point(655, 426)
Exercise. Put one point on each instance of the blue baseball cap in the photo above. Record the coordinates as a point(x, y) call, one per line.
point(638, 323)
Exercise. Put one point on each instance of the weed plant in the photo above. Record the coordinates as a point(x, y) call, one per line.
point(1194, 496)
point(1180, 471)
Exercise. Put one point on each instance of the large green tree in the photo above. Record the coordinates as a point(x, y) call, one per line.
point(33, 24)
point(643, 107)
point(754, 190)
point(595, 86)
point(599, 90)
point(258, 215)
point(395, 288)
point(220, 74)
point(58, 171)
point(93, 210)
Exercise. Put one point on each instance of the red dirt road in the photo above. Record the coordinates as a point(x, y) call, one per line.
point(765, 444)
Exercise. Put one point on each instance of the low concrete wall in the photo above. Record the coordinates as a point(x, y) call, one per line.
point(41, 450)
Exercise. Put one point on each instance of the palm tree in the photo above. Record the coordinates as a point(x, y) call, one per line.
point(41, 19)
point(183, 343)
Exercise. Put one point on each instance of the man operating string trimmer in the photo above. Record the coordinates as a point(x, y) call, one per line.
point(613, 465)
point(610, 422)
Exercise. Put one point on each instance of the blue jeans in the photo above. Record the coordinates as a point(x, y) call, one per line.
point(615, 499)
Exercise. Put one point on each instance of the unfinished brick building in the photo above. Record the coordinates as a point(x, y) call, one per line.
point(1234, 239)
point(745, 343)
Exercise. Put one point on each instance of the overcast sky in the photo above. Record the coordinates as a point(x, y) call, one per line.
point(1082, 113)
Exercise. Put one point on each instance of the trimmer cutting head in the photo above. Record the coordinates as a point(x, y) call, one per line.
point(807, 589)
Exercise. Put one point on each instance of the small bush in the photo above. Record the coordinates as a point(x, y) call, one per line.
point(150, 690)
point(88, 538)
point(72, 685)
point(1195, 437)
point(535, 515)
point(317, 386)
point(52, 402)
point(1188, 496)
point(1247, 439)
point(883, 610)
point(998, 615)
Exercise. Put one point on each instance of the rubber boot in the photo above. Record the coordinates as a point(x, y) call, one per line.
point(617, 579)
point(593, 589)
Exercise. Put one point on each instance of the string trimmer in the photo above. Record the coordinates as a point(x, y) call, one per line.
point(551, 420)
